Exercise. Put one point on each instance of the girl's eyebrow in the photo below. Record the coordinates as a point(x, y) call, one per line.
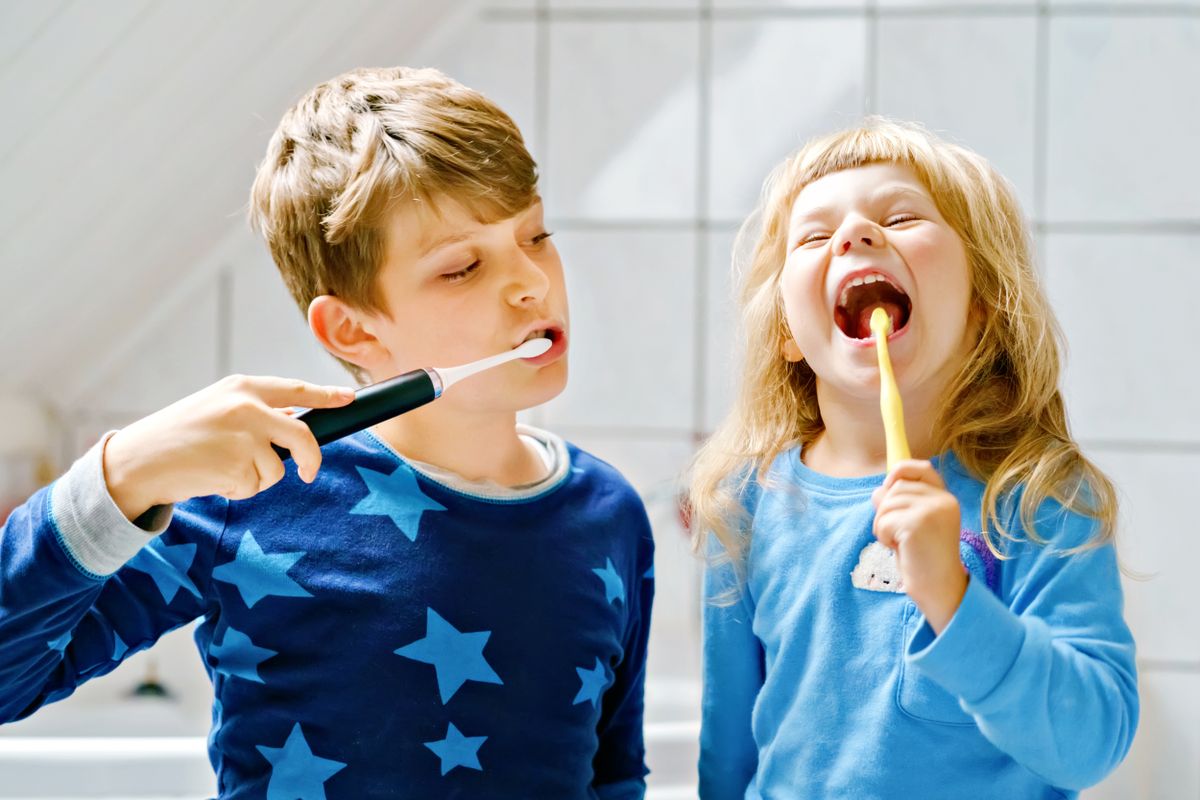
point(883, 194)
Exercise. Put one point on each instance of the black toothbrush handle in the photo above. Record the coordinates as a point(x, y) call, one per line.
point(370, 406)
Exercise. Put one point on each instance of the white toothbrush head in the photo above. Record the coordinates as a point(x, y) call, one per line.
point(534, 347)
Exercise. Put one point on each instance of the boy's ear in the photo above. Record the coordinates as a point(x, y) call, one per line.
point(346, 332)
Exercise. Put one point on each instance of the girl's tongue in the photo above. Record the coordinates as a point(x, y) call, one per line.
point(853, 313)
point(894, 312)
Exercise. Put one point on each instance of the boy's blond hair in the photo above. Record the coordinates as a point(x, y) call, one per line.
point(354, 147)
point(1002, 415)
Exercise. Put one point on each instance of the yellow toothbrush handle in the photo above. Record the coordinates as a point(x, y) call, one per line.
point(889, 393)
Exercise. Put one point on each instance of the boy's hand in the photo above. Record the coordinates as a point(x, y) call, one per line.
point(917, 518)
point(216, 441)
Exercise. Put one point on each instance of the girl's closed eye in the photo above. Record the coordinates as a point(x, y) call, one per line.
point(540, 239)
point(899, 219)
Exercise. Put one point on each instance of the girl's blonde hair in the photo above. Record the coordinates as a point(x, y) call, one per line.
point(1003, 415)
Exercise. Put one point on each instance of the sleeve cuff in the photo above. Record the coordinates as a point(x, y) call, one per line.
point(91, 528)
point(975, 652)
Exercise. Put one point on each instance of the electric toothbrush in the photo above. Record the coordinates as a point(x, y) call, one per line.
point(386, 399)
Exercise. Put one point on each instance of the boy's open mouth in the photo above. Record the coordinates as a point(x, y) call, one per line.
point(859, 297)
point(553, 334)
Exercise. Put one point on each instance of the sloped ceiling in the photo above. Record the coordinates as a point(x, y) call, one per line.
point(131, 132)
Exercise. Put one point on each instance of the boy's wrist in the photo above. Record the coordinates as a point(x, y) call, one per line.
point(129, 490)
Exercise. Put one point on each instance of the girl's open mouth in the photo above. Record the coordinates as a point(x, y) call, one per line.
point(861, 296)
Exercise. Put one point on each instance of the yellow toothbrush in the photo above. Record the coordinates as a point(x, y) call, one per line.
point(889, 393)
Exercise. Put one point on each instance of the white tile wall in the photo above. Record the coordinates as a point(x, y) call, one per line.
point(775, 83)
point(1123, 302)
point(632, 296)
point(623, 128)
point(1157, 551)
point(1123, 118)
point(722, 340)
point(971, 79)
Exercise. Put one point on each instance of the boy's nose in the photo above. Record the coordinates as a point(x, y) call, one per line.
point(529, 283)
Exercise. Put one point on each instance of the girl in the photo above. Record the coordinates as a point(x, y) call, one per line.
point(951, 628)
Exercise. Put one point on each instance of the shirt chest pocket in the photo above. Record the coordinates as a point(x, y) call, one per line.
point(918, 696)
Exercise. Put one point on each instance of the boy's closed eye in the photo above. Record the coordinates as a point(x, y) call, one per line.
point(458, 275)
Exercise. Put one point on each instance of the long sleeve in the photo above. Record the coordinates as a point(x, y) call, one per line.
point(1046, 668)
point(81, 587)
point(733, 676)
point(620, 762)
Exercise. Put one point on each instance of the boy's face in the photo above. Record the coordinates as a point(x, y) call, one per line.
point(457, 290)
point(848, 230)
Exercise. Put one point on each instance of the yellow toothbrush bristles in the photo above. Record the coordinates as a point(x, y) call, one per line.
point(889, 393)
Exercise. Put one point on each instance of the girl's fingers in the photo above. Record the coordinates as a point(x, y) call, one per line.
point(913, 470)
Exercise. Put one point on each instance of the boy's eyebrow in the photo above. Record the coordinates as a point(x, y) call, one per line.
point(451, 238)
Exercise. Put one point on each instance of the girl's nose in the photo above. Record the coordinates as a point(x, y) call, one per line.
point(859, 234)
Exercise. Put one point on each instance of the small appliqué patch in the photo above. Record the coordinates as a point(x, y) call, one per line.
point(876, 570)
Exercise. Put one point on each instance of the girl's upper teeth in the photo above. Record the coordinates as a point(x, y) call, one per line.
point(859, 281)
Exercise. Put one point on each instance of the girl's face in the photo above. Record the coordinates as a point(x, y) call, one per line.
point(872, 236)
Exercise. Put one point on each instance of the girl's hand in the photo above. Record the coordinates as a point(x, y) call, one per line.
point(918, 519)
point(216, 441)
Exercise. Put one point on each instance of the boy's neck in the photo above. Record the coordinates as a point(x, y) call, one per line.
point(854, 445)
point(479, 447)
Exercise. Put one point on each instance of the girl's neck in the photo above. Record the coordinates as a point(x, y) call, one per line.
point(478, 447)
point(853, 444)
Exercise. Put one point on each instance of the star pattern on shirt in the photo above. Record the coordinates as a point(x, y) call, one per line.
point(614, 587)
point(457, 750)
point(592, 683)
point(456, 657)
point(297, 774)
point(238, 655)
point(60, 644)
point(397, 496)
point(258, 574)
point(167, 566)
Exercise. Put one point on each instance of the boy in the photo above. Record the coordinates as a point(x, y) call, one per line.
point(456, 606)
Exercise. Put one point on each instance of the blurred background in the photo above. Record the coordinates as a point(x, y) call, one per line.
point(131, 280)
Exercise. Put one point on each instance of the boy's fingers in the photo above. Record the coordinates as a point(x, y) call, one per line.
point(283, 392)
point(296, 437)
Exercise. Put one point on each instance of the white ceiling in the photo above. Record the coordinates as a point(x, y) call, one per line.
point(131, 130)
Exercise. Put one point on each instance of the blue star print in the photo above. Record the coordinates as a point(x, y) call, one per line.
point(60, 644)
point(296, 774)
point(457, 750)
point(593, 681)
point(167, 566)
point(397, 496)
point(614, 588)
point(238, 655)
point(457, 657)
point(257, 574)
